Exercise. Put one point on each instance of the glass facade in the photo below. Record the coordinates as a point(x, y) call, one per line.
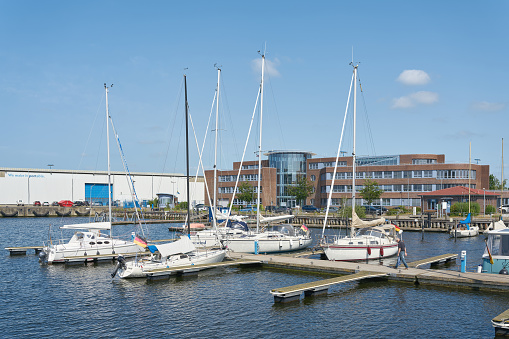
point(290, 167)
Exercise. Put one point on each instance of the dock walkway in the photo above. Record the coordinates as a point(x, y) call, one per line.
point(22, 250)
point(433, 260)
point(454, 279)
point(501, 323)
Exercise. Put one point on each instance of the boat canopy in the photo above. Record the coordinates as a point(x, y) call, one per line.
point(106, 225)
point(184, 245)
point(498, 243)
point(359, 223)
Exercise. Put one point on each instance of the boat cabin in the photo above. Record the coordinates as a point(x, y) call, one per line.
point(498, 246)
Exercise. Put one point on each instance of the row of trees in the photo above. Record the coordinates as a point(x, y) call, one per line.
point(303, 189)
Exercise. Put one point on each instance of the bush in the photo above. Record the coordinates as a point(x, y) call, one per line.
point(461, 209)
point(346, 212)
point(491, 209)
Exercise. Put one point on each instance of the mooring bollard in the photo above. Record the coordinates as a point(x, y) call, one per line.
point(463, 261)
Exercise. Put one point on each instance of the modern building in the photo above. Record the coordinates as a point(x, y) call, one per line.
point(29, 185)
point(403, 178)
point(280, 170)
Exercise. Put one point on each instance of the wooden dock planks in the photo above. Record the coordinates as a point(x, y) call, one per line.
point(433, 260)
point(23, 249)
point(501, 324)
point(291, 293)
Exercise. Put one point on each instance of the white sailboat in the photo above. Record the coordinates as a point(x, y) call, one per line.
point(88, 239)
point(464, 229)
point(375, 239)
point(174, 254)
point(281, 238)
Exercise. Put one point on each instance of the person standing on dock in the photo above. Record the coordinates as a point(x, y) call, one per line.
point(401, 253)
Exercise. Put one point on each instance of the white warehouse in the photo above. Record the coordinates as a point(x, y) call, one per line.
point(29, 185)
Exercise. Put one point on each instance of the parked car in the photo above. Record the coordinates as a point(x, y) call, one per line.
point(310, 208)
point(270, 208)
point(85, 203)
point(201, 207)
point(248, 208)
point(45, 203)
point(97, 203)
point(282, 209)
point(20, 203)
point(332, 209)
point(65, 203)
point(372, 210)
point(37, 203)
point(77, 203)
point(54, 203)
point(504, 209)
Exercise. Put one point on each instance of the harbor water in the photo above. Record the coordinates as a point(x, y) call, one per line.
point(82, 301)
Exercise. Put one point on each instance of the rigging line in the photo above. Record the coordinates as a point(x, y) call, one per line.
point(277, 113)
point(90, 133)
point(243, 154)
point(129, 178)
point(179, 96)
point(178, 144)
point(366, 117)
point(226, 108)
point(329, 199)
point(99, 147)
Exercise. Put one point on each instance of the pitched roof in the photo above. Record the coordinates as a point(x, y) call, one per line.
point(459, 191)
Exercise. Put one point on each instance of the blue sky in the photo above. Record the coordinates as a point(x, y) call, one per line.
point(433, 75)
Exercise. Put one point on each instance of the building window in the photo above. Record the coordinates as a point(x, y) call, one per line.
point(313, 177)
point(313, 165)
point(378, 175)
point(427, 188)
point(417, 174)
point(387, 188)
point(417, 188)
point(388, 174)
point(428, 174)
point(396, 188)
point(359, 175)
point(397, 174)
point(407, 174)
point(423, 161)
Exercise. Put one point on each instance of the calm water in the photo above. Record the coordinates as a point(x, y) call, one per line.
point(84, 302)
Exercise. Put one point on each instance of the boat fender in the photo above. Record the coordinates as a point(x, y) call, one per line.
point(503, 271)
point(381, 251)
point(369, 250)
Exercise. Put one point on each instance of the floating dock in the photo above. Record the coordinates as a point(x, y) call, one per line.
point(501, 324)
point(453, 279)
point(23, 250)
point(292, 293)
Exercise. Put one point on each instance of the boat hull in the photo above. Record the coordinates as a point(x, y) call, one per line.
point(363, 252)
point(63, 253)
point(464, 233)
point(140, 269)
point(256, 245)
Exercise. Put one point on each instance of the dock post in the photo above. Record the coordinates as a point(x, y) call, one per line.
point(463, 261)
point(256, 247)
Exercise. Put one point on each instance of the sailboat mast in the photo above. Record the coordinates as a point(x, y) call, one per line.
point(354, 137)
point(260, 150)
point(214, 203)
point(469, 172)
point(187, 162)
point(108, 150)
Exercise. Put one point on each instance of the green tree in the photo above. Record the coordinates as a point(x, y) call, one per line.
point(182, 205)
point(246, 192)
point(371, 191)
point(301, 190)
point(461, 208)
point(495, 183)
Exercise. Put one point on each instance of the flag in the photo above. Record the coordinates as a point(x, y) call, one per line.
point(140, 241)
point(489, 253)
point(304, 228)
point(397, 228)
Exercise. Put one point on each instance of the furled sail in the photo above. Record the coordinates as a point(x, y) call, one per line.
point(358, 223)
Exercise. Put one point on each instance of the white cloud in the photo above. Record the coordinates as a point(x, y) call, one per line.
point(413, 77)
point(414, 99)
point(270, 67)
point(488, 106)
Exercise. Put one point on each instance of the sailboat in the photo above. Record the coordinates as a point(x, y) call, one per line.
point(175, 254)
point(88, 239)
point(374, 239)
point(280, 238)
point(234, 226)
point(464, 228)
